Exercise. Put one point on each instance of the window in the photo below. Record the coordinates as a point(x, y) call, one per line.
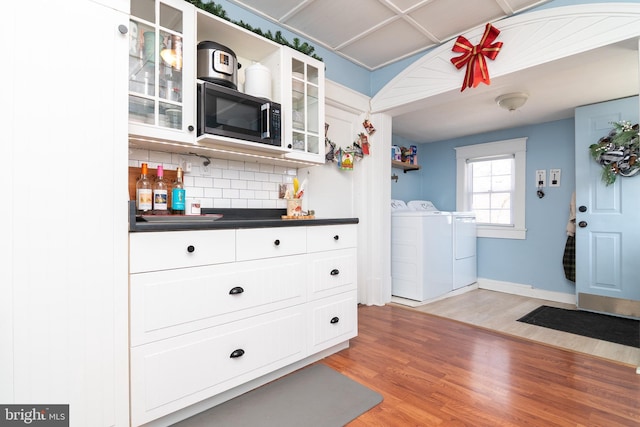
point(491, 183)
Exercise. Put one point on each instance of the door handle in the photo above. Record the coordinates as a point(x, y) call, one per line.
point(582, 208)
point(582, 224)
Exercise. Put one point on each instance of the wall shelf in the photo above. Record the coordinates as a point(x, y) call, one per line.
point(404, 166)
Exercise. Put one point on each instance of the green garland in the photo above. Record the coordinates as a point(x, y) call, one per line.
point(217, 10)
point(618, 152)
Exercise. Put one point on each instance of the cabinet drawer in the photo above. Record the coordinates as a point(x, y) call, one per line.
point(331, 237)
point(171, 374)
point(176, 249)
point(333, 320)
point(256, 243)
point(332, 272)
point(173, 302)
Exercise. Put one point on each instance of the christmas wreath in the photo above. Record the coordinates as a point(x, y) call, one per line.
point(618, 152)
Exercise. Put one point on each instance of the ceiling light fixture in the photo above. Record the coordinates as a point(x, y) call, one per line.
point(512, 101)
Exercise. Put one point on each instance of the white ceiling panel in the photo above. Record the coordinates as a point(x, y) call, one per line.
point(405, 5)
point(397, 39)
point(336, 22)
point(446, 19)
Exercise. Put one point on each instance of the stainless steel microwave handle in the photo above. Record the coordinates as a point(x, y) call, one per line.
point(266, 125)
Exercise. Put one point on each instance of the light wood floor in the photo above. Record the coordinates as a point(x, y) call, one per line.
point(434, 371)
point(499, 311)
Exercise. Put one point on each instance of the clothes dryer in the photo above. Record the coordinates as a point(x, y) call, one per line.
point(465, 271)
point(421, 251)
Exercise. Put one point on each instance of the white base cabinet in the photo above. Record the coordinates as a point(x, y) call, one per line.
point(208, 322)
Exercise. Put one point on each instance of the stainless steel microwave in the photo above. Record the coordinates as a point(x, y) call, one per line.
point(227, 112)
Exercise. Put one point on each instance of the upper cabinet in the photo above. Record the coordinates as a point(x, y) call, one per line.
point(303, 97)
point(163, 75)
point(162, 70)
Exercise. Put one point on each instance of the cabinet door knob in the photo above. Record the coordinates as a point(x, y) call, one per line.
point(276, 242)
point(336, 237)
point(190, 128)
point(123, 29)
point(582, 224)
point(335, 320)
point(191, 248)
point(237, 353)
point(235, 291)
point(335, 272)
point(582, 208)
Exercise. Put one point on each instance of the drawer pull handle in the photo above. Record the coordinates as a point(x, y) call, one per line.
point(335, 320)
point(235, 291)
point(336, 237)
point(276, 242)
point(191, 249)
point(237, 353)
point(335, 272)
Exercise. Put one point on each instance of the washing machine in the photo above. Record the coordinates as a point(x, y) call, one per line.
point(421, 251)
point(465, 267)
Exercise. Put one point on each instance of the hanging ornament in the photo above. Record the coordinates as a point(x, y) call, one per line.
point(474, 57)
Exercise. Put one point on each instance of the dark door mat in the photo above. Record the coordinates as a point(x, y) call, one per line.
point(614, 329)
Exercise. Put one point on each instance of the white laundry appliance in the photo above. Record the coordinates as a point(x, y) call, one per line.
point(421, 251)
point(465, 266)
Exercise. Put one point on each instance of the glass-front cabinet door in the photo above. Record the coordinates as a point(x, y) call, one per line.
point(162, 70)
point(306, 128)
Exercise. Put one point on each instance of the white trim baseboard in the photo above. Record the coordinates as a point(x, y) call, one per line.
point(525, 290)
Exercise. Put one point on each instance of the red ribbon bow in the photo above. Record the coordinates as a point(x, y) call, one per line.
point(473, 57)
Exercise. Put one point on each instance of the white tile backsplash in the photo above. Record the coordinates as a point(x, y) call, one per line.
point(223, 183)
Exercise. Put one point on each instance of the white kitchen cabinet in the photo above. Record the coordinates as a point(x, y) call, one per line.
point(63, 281)
point(199, 331)
point(257, 243)
point(180, 249)
point(303, 106)
point(162, 100)
point(173, 302)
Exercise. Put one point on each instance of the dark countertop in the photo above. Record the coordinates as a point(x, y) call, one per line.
point(232, 219)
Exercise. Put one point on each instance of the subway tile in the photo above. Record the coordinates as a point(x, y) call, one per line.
point(223, 183)
point(238, 203)
point(229, 193)
point(230, 174)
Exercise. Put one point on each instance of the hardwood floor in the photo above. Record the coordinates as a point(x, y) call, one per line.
point(434, 371)
point(499, 311)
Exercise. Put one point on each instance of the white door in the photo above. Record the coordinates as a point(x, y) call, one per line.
point(608, 231)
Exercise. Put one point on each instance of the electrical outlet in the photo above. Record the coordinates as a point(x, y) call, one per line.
point(185, 165)
point(541, 178)
point(554, 177)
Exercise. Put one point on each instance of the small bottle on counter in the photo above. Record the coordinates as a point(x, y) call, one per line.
point(178, 198)
point(143, 192)
point(160, 194)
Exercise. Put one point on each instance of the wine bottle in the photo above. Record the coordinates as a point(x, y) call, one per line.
point(143, 192)
point(178, 195)
point(160, 194)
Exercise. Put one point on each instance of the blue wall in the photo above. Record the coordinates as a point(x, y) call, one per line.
point(337, 68)
point(537, 260)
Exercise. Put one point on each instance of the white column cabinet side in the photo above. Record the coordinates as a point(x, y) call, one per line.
point(162, 70)
point(64, 267)
point(205, 329)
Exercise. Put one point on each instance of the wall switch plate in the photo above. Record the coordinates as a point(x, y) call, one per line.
point(541, 178)
point(554, 177)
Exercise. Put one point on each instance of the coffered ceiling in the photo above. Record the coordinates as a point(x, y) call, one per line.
point(375, 33)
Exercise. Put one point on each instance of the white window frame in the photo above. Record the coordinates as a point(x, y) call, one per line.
point(517, 148)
